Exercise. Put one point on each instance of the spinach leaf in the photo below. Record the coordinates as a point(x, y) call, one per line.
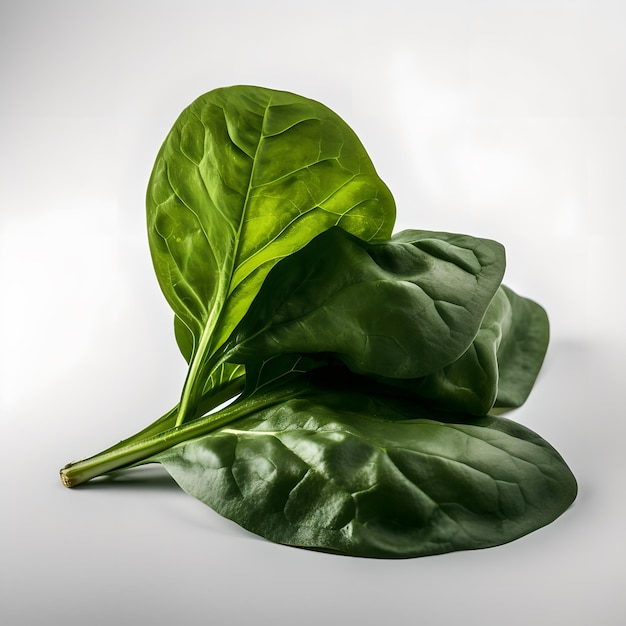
point(246, 177)
point(499, 368)
point(423, 312)
point(400, 309)
point(522, 349)
point(369, 361)
point(387, 309)
point(345, 469)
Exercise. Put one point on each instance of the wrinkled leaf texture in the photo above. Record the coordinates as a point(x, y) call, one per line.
point(499, 369)
point(401, 308)
point(424, 312)
point(355, 472)
point(246, 177)
point(265, 200)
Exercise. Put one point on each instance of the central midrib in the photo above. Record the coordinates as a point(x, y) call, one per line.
point(235, 256)
point(207, 346)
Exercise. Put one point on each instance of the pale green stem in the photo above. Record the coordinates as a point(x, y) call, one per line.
point(190, 392)
point(113, 457)
point(137, 449)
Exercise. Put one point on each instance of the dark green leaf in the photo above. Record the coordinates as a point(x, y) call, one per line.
point(500, 366)
point(367, 475)
point(401, 309)
point(521, 351)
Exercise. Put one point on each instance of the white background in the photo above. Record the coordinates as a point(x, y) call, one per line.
point(499, 118)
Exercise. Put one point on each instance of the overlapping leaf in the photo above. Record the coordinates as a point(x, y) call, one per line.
point(400, 309)
point(500, 366)
point(366, 359)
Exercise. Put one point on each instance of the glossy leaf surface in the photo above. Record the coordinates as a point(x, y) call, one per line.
point(363, 357)
point(401, 308)
point(246, 177)
point(367, 475)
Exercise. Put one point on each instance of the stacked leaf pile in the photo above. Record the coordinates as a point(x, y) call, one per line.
point(367, 369)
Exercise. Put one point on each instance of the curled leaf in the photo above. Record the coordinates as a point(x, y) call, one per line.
point(400, 309)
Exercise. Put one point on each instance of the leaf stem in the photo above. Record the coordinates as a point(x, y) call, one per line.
point(139, 449)
point(191, 392)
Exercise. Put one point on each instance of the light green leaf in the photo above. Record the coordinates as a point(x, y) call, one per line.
point(246, 177)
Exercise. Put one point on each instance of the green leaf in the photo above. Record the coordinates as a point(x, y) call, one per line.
point(500, 366)
point(521, 351)
point(359, 473)
point(400, 309)
point(246, 177)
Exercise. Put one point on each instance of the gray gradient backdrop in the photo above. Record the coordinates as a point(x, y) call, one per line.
point(499, 118)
